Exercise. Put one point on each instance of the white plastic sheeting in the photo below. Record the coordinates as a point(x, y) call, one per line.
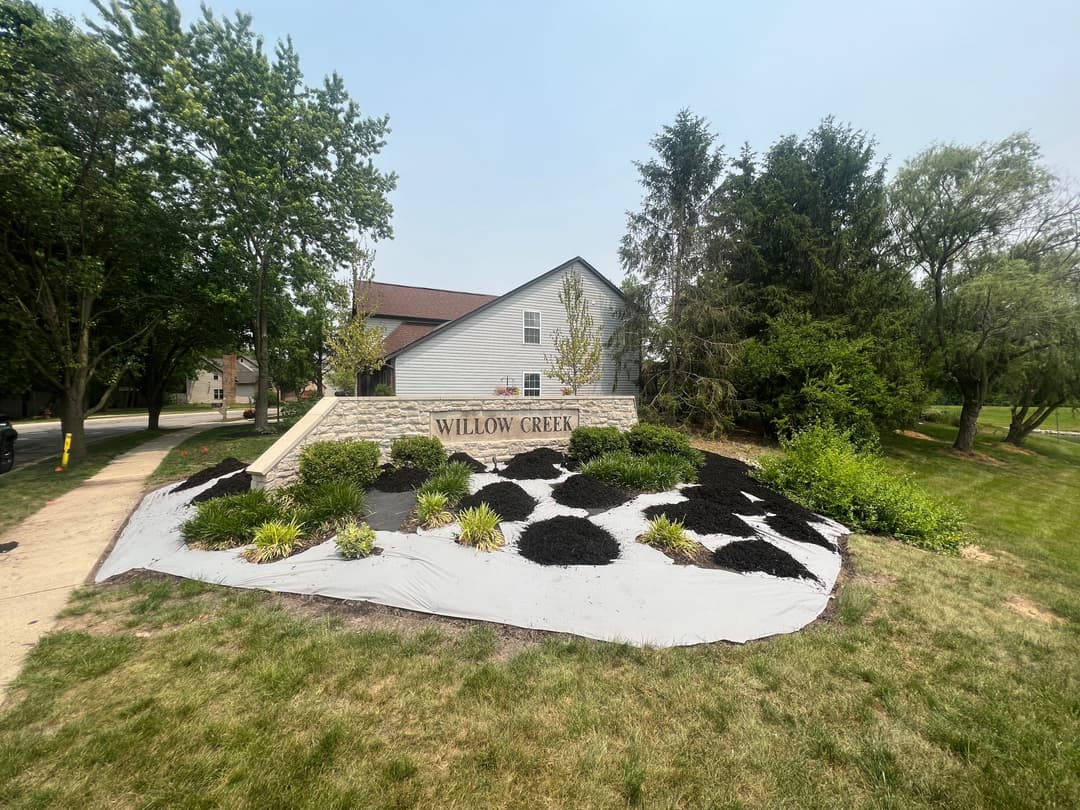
point(641, 598)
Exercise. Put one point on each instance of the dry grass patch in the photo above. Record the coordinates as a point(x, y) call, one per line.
point(1025, 607)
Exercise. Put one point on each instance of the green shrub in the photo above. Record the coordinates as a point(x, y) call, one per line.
point(325, 504)
point(656, 472)
point(418, 452)
point(645, 440)
point(431, 510)
point(274, 540)
point(822, 469)
point(587, 443)
point(452, 480)
point(350, 460)
point(668, 535)
point(355, 540)
point(231, 521)
point(480, 528)
point(293, 412)
point(935, 416)
point(383, 390)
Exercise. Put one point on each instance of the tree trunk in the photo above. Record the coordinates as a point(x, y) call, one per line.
point(155, 399)
point(1020, 427)
point(72, 410)
point(969, 418)
point(262, 350)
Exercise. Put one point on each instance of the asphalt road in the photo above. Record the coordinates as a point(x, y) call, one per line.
point(38, 440)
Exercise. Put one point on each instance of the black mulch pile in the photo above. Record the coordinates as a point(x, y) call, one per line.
point(703, 517)
point(730, 499)
point(758, 555)
point(233, 485)
point(402, 480)
point(229, 465)
point(467, 460)
point(567, 541)
point(585, 492)
point(732, 475)
point(545, 455)
point(524, 467)
point(798, 530)
point(510, 501)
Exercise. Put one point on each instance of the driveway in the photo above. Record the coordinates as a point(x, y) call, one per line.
point(38, 440)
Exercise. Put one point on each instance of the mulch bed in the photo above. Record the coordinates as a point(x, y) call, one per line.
point(585, 492)
point(524, 469)
point(229, 465)
point(759, 555)
point(467, 460)
point(798, 530)
point(510, 501)
point(544, 455)
point(401, 480)
point(567, 541)
point(732, 500)
point(233, 485)
point(703, 517)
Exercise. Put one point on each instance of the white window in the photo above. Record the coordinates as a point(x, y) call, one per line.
point(219, 394)
point(531, 384)
point(531, 327)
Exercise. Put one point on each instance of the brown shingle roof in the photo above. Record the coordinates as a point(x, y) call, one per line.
point(405, 334)
point(399, 301)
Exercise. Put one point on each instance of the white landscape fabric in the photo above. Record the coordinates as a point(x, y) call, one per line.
point(642, 598)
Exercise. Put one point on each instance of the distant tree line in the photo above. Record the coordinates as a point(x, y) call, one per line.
point(168, 192)
point(804, 286)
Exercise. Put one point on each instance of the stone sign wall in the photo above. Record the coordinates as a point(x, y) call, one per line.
point(483, 428)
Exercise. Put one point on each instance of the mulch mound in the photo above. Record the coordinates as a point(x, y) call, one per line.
point(759, 555)
point(467, 460)
point(585, 492)
point(233, 485)
point(544, 455)
point(229, 465)
point(524, 469)
point(703, 517)
point(723, 474)
point(567, 541)
point(401, 480)
point(732, 500)
point(798, 530)
point(510, 501)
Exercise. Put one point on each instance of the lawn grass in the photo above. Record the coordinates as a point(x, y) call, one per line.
point(926, 688)
point(238, 441)
point(26, 489)
point(998, 416)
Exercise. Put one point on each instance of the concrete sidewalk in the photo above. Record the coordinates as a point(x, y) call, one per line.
point(59, 545)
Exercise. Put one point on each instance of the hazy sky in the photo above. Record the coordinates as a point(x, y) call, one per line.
point(515, 125)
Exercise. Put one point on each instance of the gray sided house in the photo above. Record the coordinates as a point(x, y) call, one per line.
point(443, 343)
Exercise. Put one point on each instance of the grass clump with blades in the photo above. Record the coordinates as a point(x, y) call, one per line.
point(327, 504)
point(822, 469)
point(452, 480)
point(355, 540)
point(432, 511)
point(418, 452)
point(480, 528)
point(275, 540)
point(668, 535)
point(655, 472)
point(231, 521)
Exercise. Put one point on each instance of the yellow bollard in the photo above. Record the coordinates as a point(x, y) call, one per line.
point(67, 449)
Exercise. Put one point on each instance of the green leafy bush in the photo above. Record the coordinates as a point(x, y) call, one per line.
point(418, 452)
point(325, 504)
point(355, 540)
point(452, 480)
point(274, 540)
point(231, 521)
point(383, 390)
point(480, 528)
point(350, 460)
point(645, 440)
point(655, 472)
point(292, 412)
point(431, 510)
point(822, 469)
point(668, 535)
point(587, 443)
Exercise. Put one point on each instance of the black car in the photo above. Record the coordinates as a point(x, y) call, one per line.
point(8, 435)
